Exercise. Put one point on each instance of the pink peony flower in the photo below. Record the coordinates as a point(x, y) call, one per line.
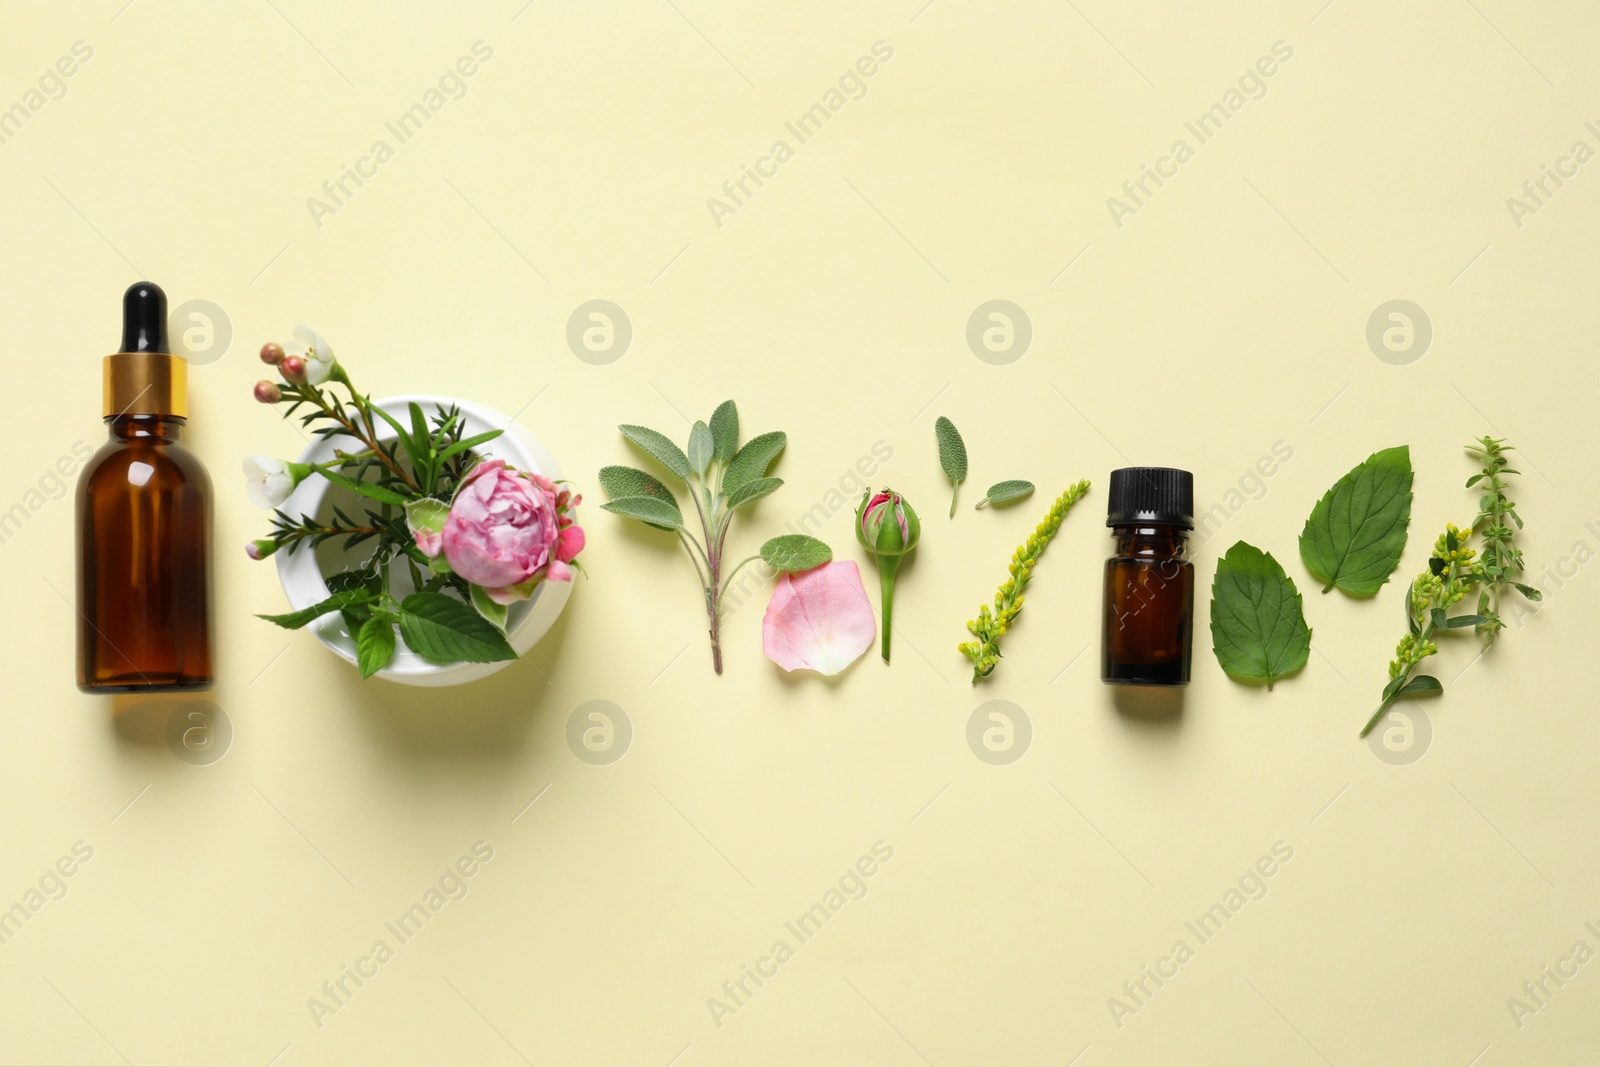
point(506, 532)
point(818, 619)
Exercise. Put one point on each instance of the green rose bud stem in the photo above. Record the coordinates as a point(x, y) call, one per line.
point(887, 566)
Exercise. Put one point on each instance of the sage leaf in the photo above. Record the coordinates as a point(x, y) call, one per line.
point(750, 492)
point(442, 629)
point(1258, 629)
point(701, 448)
point(375, 643)
point(661, 447)
point(1357, 531)
point(751, 461)
point(795, 552)
point(725, 431)
point(337, 602)
point(1005, 492)
point(952, 456)
point(647, 509)
point(629, 481)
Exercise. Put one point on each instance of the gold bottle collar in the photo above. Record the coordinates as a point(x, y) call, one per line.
point(146, 383)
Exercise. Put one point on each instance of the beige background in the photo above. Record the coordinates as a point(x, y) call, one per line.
point(1227, 315)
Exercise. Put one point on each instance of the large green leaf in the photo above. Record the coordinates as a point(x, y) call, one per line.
point(751, 461)
point(1258, 629)
point(725, 430)
point(661, 447)
point(1357, 531)
point(442, 629)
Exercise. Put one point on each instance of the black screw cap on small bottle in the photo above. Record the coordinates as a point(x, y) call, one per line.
point(1157, 496)
point(144, 318)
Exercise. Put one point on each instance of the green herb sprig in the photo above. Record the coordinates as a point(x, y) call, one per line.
point(989, 627)
point(1501, 559)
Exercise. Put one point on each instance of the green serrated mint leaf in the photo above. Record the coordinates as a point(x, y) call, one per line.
point(442, 629)
point(1258, 628)
point(701, 448)
point(795, 552)
point(1005, 492)
point(337, 602)
point(661, 447)
point(647, 509)
point(725, 431)
point(1357, 531)
point(751, 461)
point(375, 643)
point(750, 492)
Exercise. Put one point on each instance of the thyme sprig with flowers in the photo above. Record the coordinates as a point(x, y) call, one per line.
point(1501, 558)
point(989, 627)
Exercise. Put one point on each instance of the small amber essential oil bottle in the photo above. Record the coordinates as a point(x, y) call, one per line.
point(1147, 632)
point(144, 523)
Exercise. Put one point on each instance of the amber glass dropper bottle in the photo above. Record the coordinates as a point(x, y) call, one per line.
point(1147, 633)
point(144, 523)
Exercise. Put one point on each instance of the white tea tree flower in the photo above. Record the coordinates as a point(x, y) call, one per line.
point(312, 348)
point(268, 482)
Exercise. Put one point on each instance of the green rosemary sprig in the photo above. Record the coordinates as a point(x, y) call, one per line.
point(1501, 558)
point(989, 627)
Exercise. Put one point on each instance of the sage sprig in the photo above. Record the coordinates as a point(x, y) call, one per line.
point(721, 477)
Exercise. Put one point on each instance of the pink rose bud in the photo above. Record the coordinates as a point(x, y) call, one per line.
point(293, 369)
point(272, 353)
point(268, 392)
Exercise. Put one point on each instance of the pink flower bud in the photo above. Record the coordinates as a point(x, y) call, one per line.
point(261, 549)
point(293, 369)
point(268, 392)
point(272, 353)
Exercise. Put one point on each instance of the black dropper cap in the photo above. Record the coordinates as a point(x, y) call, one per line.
point(1159, 496)
point(144, 318)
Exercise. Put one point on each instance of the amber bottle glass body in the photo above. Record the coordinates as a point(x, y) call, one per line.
point(144, 530)
point(1147, 635)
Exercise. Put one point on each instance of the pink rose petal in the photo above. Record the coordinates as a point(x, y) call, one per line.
point(819, 619)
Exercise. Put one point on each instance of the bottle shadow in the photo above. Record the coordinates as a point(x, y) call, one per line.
point(1149, 704)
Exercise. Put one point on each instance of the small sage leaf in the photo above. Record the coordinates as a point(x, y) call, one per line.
point(701, 448)
point(795, 552)
point(750, 492)
point(647, 509)
point(952, 456)
point(751, 461)
point(661, 447)
point(725, 431)
point(1005, 493)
